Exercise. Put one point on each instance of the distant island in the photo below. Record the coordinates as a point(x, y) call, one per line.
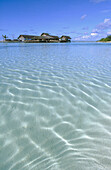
point(43, 38)
point(107, 39)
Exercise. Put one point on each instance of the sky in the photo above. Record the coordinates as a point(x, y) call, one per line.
point(82, 20)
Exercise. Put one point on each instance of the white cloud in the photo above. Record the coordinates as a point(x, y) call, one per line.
point(94, 34)
point(77, 38)
point(85, 36)
point(101, 30)
point(83, 16)
point(109, 32)
point(104, 25)
point(106, 20)
point(95, 30)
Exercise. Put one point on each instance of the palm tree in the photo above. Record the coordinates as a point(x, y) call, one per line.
point(4, 37)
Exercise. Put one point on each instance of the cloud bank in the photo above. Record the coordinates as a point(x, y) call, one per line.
point(101, 30)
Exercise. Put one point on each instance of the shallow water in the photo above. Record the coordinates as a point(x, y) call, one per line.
point(55, 106)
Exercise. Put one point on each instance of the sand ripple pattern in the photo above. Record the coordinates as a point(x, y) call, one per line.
point(55, 106)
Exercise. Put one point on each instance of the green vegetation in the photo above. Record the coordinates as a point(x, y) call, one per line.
point(4, 36)
point(108, 38)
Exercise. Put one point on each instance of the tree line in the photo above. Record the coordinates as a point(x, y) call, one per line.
point(108, 38)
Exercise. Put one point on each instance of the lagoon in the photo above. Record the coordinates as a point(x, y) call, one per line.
point(55, 106)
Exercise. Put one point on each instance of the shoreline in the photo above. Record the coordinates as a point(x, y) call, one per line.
point(104, 41)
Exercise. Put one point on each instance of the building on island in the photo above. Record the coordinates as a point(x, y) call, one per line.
point(44, 37)
point(26, 37)
point(51, 37)
point(45, 34)
point(64, 38)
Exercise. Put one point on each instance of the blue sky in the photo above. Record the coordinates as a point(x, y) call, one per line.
point(80, 19)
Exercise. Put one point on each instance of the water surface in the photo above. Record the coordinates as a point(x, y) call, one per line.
point(55, 106)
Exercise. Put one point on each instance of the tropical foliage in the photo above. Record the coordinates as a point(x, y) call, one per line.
point(4, 36)
point(108, 38)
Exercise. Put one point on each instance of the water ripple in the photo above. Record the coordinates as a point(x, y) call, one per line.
point(55, 106)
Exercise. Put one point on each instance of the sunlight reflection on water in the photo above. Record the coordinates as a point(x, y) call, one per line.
point(55, 106)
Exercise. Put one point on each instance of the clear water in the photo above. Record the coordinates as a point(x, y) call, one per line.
point(55, 106)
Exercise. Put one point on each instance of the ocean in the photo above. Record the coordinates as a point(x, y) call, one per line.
point(55, 106)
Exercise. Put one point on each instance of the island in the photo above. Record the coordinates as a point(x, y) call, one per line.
point(107, 39)
point(43, 38)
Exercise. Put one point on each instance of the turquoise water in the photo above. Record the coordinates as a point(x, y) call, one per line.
point(55, 106)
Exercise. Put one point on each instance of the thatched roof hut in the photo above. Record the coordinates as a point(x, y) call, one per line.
point(43, 37)
point(65, 38)
point(45, 34)
point(52, 37)
point(26, 37)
